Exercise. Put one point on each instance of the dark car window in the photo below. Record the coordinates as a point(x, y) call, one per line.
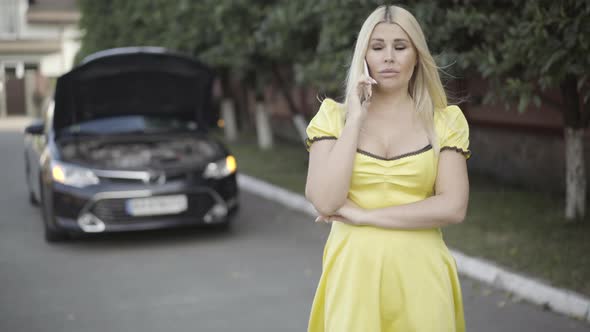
point(131, 124)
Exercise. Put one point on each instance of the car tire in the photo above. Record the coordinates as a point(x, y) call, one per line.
point(32, 199)
point(52, 234)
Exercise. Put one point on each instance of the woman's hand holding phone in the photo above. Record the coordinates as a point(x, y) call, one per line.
point(365, 85)
point(360, 101)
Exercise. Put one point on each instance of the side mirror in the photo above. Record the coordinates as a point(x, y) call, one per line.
point(35, 128)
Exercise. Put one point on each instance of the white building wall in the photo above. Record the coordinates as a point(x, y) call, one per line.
point(14, 27)
point(56, 64)
point(11, 18)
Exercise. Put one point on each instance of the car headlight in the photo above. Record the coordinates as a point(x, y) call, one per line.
point(221, 168)
point(73, 175)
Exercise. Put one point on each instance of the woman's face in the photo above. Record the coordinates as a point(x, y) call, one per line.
point(391, 57)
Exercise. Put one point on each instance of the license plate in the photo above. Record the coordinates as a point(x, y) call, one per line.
point(158, 205)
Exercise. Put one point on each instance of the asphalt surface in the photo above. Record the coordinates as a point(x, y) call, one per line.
point(260, 276)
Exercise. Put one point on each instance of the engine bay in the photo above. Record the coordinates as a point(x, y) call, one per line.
point(137, 153)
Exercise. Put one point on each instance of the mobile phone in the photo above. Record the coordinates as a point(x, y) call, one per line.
point(367, 69)
point(366, 94)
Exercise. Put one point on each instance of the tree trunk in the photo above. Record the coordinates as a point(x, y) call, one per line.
point(229, 110)
point(296, 116)
point(575, 176)
point(575, 200)
point(228, 115)
point(301, 126)
point(262, 118)
point(263, 128)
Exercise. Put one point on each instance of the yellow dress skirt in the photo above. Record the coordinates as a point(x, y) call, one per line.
point(382, 280)
point(376, 279)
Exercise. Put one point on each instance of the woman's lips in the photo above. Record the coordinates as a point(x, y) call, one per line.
point(388, 73)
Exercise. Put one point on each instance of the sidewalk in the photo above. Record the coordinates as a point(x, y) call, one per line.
point(559, 300)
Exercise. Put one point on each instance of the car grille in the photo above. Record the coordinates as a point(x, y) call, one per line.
point(186, 176)
point(113, 210)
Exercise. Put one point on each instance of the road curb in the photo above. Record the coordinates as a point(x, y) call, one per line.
point(557, 299)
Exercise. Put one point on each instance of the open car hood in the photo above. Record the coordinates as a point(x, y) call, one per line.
point(133, 81)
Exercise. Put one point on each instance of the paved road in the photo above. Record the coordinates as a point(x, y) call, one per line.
point(259, 277)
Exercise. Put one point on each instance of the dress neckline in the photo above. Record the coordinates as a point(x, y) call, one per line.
point(404, 155)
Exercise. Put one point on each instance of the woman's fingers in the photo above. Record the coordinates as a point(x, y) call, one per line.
point(367, 80)
point(360, 99)
point(322, 219)
point(328, 219)
point(364, 87)
point(365, 90)
point(332, 218)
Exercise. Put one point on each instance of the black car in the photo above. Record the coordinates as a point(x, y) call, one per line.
point(124, 146)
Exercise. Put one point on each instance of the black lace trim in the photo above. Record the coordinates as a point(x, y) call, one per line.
point(466, 153)
point(310, 141)
point(413, 153)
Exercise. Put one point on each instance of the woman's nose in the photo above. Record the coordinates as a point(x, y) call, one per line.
point(389, 57)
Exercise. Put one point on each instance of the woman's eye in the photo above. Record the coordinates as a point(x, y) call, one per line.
point(377, 48)
point(399, 48)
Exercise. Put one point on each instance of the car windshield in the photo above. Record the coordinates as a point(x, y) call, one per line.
point(130, 124)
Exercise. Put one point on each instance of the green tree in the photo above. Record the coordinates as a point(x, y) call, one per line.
point(287, 36)
point(182, 26)
point(525, 50)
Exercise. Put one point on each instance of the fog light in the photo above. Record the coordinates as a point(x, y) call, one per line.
point(91, 224)
point(219, 210)
point(215, 214)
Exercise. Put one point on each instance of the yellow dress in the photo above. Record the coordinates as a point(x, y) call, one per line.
point(376, 279)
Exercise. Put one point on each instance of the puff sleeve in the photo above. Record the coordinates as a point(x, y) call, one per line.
point(325, 124)
point(456, 132)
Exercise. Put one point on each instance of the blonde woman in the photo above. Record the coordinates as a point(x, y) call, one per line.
point(388, 169)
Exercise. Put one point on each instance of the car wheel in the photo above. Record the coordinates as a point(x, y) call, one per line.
point(32, 199)
point(52, 233)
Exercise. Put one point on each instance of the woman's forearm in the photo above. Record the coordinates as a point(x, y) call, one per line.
point(328, 188)
point(435, 211)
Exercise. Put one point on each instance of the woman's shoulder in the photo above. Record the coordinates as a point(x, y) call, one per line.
point(447, 113)
point(331, 106)
point(333, 112)
point(327, 123)
point(452, 129)
point(450, 116)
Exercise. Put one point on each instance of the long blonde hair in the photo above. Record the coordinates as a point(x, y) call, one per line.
point(425, 88)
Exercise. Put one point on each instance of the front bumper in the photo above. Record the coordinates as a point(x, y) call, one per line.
point(101, 208)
